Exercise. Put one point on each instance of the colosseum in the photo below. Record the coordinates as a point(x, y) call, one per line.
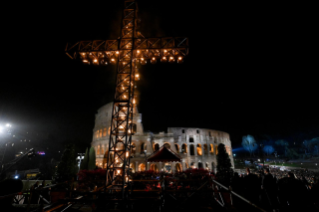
point(196, 147)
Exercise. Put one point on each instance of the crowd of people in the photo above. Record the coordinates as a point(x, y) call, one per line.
point(269, 188)
point(274, 188)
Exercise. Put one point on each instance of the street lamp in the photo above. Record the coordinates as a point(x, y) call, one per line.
point(4, 130)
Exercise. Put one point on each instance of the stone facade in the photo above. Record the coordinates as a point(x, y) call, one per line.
point(196, 146)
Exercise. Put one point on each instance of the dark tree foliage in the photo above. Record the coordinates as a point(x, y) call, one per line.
point(67, 167)
point(92, 157)
point(224, 171)
point(85, 162)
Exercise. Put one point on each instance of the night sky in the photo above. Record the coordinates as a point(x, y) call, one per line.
point(251, 69)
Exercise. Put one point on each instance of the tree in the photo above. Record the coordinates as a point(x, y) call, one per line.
point(66, 169)
point(249, 144)
point(92, 158)
point(85, 161)
point(224, 171)
point(311, 145)
point(268, 149)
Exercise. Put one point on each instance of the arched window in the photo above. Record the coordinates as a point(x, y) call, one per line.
point(141, 167)
point(199, 149)
point(183, 131)
point(98, 150)
point(177, 147)
point(184, 148)
point(104, 132)
point(197, 131)
point(216, 149)
point(134, 128)
point(153, 167)
point(167, 145)
point(143, 147)
point(211, 149)
point(100, 133)
point(210, 134)
point(178, 167)
point(205, 149)
point(191, 139)
point(186, 165)
point(132, 167)
point(102, 150)
point(156, 147)
point(191, 149)
point(133, 148)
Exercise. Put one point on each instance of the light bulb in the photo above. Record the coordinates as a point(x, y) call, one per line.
point(138, 51)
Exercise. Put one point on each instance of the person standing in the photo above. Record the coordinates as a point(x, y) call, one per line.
point(269, 188)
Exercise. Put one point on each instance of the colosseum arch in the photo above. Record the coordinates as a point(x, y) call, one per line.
point(216, 149)
point(102, 149)
point(184, 148)
point(143, 147)
point(199, 149)
point(154, 167)
point(177, 147)
point(179, 167)
point(191, 149)
point(205, 149)
point(98, 149)
point(156, 146)
point(206, 165)
point(211, 149)
point(141, 167)
point(132, 166)
point(133, 148)
point(167, 145)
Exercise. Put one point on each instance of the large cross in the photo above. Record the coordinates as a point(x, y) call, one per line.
point(129, 50)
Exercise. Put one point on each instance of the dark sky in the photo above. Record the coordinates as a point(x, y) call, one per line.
point(251, 69)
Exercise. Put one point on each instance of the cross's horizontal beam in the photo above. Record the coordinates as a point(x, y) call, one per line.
point(156, 46)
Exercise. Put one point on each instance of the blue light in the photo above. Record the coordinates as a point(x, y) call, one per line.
point(16, 177)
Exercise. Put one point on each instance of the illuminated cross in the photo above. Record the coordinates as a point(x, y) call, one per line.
point(129, 50)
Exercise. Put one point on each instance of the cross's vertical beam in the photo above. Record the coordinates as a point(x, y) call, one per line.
point(118, 163)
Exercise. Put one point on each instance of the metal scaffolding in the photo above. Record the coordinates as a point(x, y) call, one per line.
point(128, 51)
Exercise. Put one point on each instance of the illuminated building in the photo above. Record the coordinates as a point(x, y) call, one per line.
point(196, 146)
